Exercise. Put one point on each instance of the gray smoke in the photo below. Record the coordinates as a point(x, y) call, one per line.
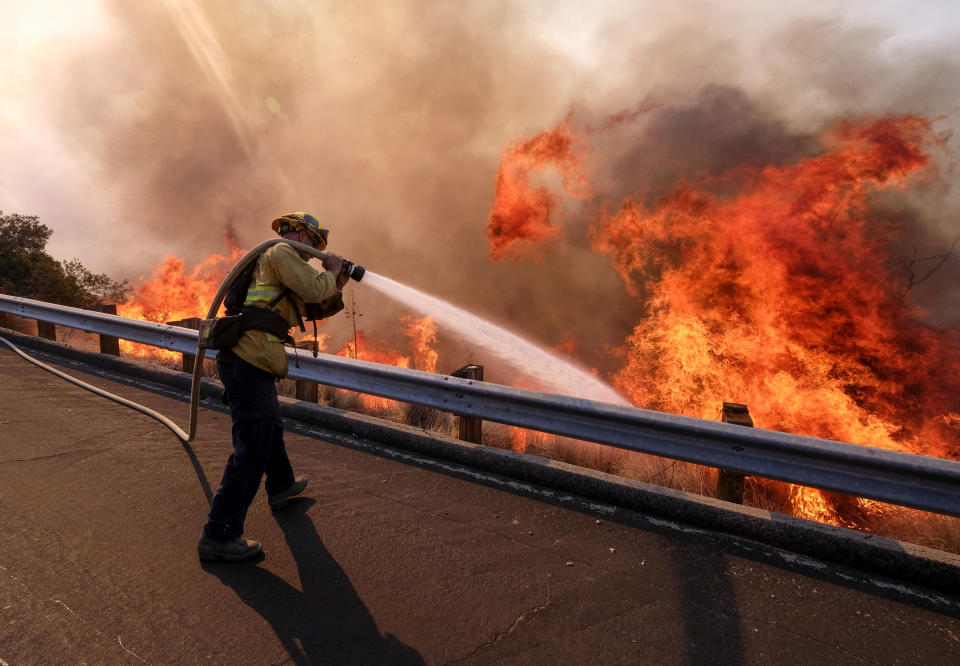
point(387, 120)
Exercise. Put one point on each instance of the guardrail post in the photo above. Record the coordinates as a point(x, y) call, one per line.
point(471, 427)
point(186, 364)
point(108, 343)
point(46, 330)
point(730, 482)
point(307, 390)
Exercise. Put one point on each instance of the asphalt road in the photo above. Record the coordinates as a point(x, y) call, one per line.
point(392, 558)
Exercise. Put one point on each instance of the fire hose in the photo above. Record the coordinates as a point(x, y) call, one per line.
point(106, 394)
point(353, 270)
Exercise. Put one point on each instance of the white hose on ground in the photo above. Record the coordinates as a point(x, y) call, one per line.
point(106, 394)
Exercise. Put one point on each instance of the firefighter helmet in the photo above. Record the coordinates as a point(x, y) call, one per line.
point(306, 221)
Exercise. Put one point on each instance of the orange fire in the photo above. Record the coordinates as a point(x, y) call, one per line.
point(518, 439)
point(523, 212)
point(773, 287)
point(173, 294)
point(422, 334)
point(364, 350)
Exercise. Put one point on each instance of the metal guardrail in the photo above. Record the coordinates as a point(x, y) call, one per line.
point(135, 330)
point(921, 482)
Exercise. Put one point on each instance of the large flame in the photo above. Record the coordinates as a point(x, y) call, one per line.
point(524, 212)
point(172, 294)
point(775, 287)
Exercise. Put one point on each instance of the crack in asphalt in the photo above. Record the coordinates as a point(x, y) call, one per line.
point(69, 453)
point(97, 631)
point(503, 634)
point(30, 592)
point(90, 451)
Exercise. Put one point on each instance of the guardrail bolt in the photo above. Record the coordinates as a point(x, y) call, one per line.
point(108, 343)
point(730, 482)
point(471, 427)
point(187, 360)
point(305, 389)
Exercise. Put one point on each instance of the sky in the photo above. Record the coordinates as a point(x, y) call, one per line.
point(137, 130)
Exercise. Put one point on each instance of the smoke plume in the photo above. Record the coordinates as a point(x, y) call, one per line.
point(389, 121)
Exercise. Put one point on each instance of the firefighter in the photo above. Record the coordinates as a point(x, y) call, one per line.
point(283, 282)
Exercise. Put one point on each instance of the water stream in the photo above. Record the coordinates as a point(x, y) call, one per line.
point(555, 373)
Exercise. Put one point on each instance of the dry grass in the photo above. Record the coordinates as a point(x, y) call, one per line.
point(913, 526)
point(19, 324)
point(628, 464)
point(430, 419)
point(926, 529)
point(81, 340)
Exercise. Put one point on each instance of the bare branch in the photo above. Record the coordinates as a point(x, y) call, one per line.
point(913, 261)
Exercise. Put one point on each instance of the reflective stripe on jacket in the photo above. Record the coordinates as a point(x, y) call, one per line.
point(279, 267)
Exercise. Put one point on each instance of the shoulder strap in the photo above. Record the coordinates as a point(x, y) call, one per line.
point(285, 292)
point(237, 293)
point(280, 297)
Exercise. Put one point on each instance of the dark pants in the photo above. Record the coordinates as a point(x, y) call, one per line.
point(257, 445)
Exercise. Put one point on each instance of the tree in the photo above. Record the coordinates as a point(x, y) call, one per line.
point(27, 270)
point(96, 289)
point(23, 234)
